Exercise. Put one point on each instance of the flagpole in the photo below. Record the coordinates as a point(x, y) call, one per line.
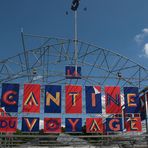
point(75, 39)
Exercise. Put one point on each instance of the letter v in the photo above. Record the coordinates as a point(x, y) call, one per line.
point(30, 125)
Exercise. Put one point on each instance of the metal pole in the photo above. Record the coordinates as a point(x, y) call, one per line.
point(25, 53)
point(75, 41)
point(123, 117)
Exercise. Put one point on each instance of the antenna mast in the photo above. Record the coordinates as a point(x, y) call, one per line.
point(74, 7)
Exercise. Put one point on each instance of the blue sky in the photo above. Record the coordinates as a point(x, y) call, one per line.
point(118, 25)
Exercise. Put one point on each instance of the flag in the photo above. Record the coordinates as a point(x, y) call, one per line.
point(30, 124)
point(73, 125)
point(131, 98)
point(8, 124)
point(93, 99)
point(73, 99)
point(10, 96)
point(133, 124)
point(113, 100)
point(94, 125)
point(52, 125)
point(52, 103)
point(72, 72)
point(31, 99)
point(114, 125)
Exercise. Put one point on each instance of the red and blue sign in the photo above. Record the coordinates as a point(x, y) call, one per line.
point(8, 124)
point(73, 105)
point(131, 99)
point(113, 100)
point(133, 124)
point(30, 124)
point(31, 99)
point(52, 103)
point(73, 72)
point(93, 99)
point(52, 125)
point(73, 125)
point(10, 96)
point(73, 99)
point(94, 125)
point(114, 124)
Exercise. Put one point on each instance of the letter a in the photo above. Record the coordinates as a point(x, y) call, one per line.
point(31, 100)
point(94, 127)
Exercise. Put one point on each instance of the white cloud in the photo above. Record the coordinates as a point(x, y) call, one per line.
point(145, 30)
point(146, 49)
point(139, 38)
point(142, 40)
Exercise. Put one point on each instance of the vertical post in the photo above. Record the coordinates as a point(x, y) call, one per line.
point(76, 40)
point(25, 54)
point(146, 107)
point(123, 107)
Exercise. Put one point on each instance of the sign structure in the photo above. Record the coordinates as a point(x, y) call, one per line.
point(72, 73)
point(52, 125)
point(94, 125)
point(30, 124)
point(93, 99)
point(73, 99)
point(73, 105)
point(132, 101)
point(113, 100)
point(31, 100)
point(8, 124)
point(52, 103)
point(10, 96)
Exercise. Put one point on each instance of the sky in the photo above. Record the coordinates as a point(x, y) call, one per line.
point(118, 25)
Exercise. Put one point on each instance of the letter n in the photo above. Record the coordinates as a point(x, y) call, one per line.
point(52, 99)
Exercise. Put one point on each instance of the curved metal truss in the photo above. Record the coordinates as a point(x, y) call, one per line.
point(45, 63)
point(44, 59)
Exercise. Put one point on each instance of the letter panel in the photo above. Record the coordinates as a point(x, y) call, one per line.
point(10, 96)
point(133, 124)
point(132, 101)
point(114, 124)
point(52, 103)
point(113, 100)
point(93, 99)
point(73, 125)
point(94, 125)
point(72, 73)
point(8, 124)
point(52, 125)
point(73, 99)
point(30, 124)
point(31, 99)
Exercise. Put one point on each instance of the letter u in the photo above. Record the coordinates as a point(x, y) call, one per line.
point(12, 124)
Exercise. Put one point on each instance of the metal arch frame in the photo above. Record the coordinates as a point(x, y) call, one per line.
point(24, 64)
